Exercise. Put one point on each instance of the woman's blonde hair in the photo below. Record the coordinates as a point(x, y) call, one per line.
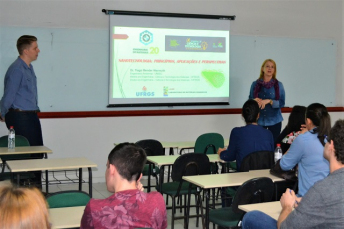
point(261, 76)
point(22, 208)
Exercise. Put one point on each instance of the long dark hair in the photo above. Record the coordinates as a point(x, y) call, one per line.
point(296, 119)
point(318, 114)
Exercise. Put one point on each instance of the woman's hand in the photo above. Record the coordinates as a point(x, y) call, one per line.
point(262, 102)
point(220, 150)
point(139, 186)
point(303, 129)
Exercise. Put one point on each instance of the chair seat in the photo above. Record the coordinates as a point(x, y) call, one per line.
point(146, 168)
point(224, 217)
point(172, 187)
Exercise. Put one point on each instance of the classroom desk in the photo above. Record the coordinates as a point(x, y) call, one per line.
point(25, 150)
point(53, 164)
point(4, 151)
point(66, 217)
point(272, 209)
point(208, 182)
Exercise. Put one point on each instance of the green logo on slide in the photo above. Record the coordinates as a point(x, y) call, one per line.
point(215, 78)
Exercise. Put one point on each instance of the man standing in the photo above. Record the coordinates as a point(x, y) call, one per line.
point(129, 207)
point(19, 103)
point(322, 206)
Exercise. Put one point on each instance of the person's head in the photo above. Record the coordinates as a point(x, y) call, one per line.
point(335, 142)
point(268, 68)
point(317, 116)
point(296, 118)
point(22, 208)
point(27, 47)
point(250, 111)
point(128, 159)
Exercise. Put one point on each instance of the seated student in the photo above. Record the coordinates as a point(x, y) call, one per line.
point(247, 139)
point(22, 208)
point(293, 128)
point(128, 207)
point(322, 206)
point(306, 151)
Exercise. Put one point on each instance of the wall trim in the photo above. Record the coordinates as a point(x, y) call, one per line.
point(93, 114)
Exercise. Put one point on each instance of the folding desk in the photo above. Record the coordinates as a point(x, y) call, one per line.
point(272, 209)
point(208, 182)
point(66, 217)
point(4, 151)
point(53, 164)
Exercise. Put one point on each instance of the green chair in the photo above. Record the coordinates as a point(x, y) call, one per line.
point(257, 190)
point(68, 199)
point(209, 143)
point(152, 148)
point(190, 164)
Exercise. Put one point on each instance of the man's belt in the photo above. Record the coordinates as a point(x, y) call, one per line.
point(19, 110)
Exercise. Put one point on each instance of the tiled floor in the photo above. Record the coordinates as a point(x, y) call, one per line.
point(100, 192)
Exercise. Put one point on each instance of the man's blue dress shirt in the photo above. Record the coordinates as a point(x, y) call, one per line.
point(20, 91)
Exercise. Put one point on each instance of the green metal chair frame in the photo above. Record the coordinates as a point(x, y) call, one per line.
point(152, 147)
point(257, 190)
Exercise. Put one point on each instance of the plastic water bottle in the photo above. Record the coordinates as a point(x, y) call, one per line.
point(278, 152)
point(11, 138)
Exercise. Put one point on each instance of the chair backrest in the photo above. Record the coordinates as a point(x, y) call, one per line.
point(189, 165)
point(19, 141)
point(257, 160)
point(209, 143)
point(152, 147)
point(256, 190)
point(68, 199)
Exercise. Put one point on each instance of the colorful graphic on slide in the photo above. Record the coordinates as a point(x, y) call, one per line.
point(195, 44)
point(215, 78)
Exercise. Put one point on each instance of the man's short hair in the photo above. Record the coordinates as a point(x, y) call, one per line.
point(250, 111)
point(129, 160)
point(24, 42)
point(337, 136)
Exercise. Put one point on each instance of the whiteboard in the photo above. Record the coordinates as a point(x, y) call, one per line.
point(73, 68)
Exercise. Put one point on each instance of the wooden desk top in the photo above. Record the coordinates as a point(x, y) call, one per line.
point(170, 159)
point(49, 164)
point(181, 144)
point(228, 179)
point(25, 150)
point(184, 144)
point(66, 217)
point(272, 209)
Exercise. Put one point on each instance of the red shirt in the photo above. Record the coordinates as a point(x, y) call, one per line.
point(126, 210)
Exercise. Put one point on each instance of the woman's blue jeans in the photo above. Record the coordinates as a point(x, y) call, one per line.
point(258, 220)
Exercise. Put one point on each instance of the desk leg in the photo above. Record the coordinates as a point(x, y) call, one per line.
point(46, 182)
point(90, 181)
point(80, 179)
point(207, 197)
point(171, 151)
point(161, 177)
point(149, 176)
point(18, 179)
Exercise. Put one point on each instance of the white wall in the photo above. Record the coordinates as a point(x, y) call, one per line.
point(94, 137)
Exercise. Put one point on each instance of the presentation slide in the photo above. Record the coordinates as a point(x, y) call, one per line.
point(165, 65)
